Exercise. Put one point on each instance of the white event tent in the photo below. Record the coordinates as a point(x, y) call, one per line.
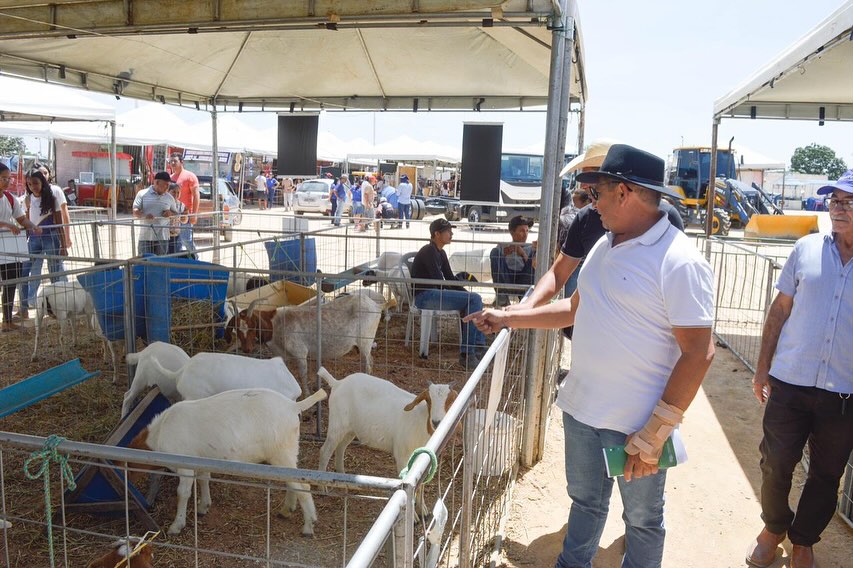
point(472, 55)
point(810, 80)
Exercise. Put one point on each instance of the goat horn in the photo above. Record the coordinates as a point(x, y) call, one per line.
point(252, 305)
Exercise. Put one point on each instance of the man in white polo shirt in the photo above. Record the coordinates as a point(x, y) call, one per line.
point(154, 206)
point(642, 344)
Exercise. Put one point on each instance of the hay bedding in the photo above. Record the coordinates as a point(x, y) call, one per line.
point(237, 521)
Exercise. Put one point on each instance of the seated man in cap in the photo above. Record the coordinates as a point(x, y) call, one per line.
point(643, 313)
point(513, 263)
point(154, 206)
point(431, 262)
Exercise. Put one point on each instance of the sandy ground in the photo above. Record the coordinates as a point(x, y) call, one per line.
point(712, 510)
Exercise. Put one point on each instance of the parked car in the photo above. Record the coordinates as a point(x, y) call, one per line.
point(232, 209)
point(313, 197)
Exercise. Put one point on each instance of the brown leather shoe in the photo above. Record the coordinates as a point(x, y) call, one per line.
point(762, 552)
point(802, 557)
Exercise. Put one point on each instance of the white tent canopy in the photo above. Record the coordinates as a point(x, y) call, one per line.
point(356, 55)
point(47, 103)
point(811, 80)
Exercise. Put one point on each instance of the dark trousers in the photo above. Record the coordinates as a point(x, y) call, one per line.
point(796, 415)
point(153, 247)
point(9, 271)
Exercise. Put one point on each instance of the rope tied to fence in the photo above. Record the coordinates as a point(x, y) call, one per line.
point(47, 455)
point(433, 463)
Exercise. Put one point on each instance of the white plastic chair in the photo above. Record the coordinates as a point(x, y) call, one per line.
point(428, 331)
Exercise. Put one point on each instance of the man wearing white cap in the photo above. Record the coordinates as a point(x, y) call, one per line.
point(804, 376)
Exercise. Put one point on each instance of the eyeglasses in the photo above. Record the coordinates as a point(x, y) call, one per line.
point(593, 189)
point(837, 203)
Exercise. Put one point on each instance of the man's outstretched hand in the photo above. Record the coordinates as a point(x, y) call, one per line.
point(488, 320)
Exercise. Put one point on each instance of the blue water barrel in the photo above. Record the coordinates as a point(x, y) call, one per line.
point(287, 255)
point(107, 291)
point(163, 283)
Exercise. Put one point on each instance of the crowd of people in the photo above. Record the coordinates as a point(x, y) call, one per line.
point(372, 200)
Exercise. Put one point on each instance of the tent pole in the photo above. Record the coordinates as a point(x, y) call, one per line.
point(214, 189)
point(711, 192)
point(581, 127)
point(113, 188)
point(562, 40)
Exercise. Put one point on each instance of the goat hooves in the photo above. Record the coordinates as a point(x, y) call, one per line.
point(308, 534)
point(175, 530)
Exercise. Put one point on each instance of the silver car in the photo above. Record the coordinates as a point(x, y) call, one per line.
point(312, 196)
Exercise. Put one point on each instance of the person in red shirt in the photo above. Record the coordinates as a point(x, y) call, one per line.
point(188, 195)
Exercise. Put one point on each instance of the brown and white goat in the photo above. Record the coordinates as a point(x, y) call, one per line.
point(250, 327)
point(346, 322)
point(117, 557)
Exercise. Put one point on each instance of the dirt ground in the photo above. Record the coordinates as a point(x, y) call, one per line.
point(712, 508)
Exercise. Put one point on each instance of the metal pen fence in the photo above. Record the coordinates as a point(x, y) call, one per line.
point(746, 273)
point(475, 473)
point(128, 289)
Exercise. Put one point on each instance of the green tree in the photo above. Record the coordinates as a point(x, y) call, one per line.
point(11, 145)
point(817, 159)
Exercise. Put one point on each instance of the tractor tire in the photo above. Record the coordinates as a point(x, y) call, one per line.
point(721, 223)
point(683, 211)
point(418, 209)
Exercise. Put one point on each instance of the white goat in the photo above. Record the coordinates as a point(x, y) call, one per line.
point(67, 301)
point(147, 375)
point(381, 415)
point(206, 374)
point(247, 425)
point(346, 322)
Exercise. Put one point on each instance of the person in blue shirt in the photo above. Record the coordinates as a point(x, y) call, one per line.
point(357, 205)
point(804, 375)
point(339, 192)
point(272, 184)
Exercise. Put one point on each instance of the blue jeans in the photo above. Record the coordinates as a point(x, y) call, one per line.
point(404, 211)
point(465, 302)
point(187, 239)
point(339, 211)
point(46, 243)
point(590, 489)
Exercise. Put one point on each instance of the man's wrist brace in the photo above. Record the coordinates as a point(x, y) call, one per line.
point(648, 442)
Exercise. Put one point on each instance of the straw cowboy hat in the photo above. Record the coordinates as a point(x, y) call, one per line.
point(631, 165)
point(592, 158)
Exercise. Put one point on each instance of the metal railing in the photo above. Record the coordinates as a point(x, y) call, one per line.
point(746, 272)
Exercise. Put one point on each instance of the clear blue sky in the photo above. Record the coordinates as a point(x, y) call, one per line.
point(654, 70)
